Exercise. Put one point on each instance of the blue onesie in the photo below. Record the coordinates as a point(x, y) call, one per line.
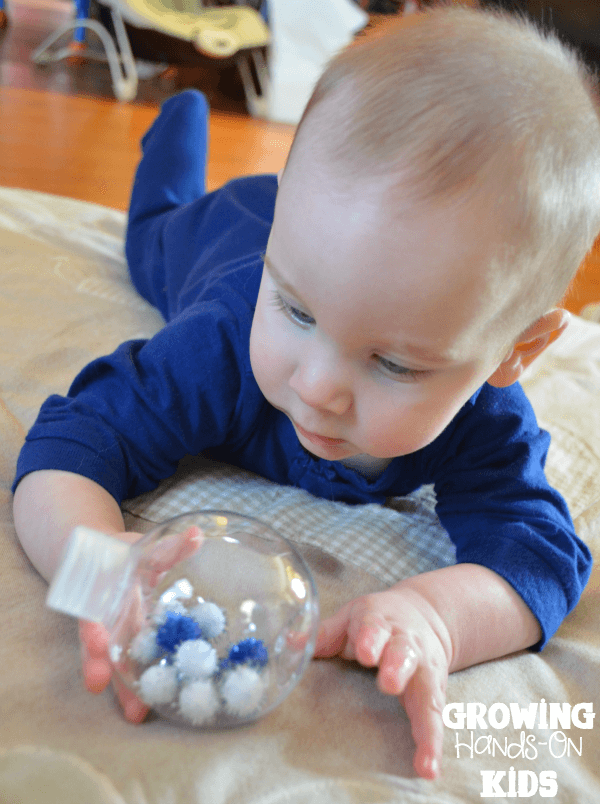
point(131, 416)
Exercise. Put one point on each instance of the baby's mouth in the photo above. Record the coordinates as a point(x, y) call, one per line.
point(315, 438)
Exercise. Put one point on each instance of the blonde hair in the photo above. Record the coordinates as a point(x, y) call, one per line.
point(462, 100)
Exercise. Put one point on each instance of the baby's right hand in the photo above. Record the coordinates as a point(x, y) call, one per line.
point(94, 637)
point(98, 670)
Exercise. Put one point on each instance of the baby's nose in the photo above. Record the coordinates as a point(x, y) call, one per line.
point(321, 386)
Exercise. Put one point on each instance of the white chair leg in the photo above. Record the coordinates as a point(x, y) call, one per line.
point(128, 78)
point(257, 101)
point(122, 67)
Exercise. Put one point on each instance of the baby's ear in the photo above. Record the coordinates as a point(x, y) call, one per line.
point(531, 344)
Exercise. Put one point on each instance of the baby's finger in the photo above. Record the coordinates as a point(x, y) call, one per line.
point(96, 666)
point(134, 709)
point(370, 638)
point(98, 670)
point(94, 637)
point(333, 632)
point(96, 674)
point(191, 540)
point(424, 703)
point(397, 665)
point(170, 550)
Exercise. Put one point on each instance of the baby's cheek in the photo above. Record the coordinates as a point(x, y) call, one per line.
point(258, 360)
point(266, 361)
point(389, 433)
point(390, 437)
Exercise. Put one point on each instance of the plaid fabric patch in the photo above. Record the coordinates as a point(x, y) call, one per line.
point(390, 542)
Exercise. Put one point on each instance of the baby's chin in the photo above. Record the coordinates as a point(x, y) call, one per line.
point(367, 464)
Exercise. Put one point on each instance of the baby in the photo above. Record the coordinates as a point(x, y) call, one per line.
point(358, 331)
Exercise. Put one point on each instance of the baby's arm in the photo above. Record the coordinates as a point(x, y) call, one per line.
point(47, 506)
point(422, 629)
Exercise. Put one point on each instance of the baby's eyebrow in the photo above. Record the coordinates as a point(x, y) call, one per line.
point(279, 279)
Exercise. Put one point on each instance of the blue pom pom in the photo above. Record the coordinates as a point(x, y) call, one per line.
point(224, 664)
point(177, 628)
point(249, 651)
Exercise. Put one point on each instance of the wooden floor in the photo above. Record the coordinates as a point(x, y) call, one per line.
point(88, 148)
point(62, 132)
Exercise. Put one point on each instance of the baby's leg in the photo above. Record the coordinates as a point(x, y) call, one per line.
point(171, 173)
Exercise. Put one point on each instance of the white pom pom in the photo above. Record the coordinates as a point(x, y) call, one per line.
point(242, 690)
point(180, 590)
point(210, 618)
point(158, 684)
point(143, 648)
point(196, 658)
point(199, 701)
point(160, 612)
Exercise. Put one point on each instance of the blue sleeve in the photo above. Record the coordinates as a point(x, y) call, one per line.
point(500, 511)
point(131, 416)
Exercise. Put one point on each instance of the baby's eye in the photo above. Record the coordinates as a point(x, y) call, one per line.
point(292, 312)
point(400, 372)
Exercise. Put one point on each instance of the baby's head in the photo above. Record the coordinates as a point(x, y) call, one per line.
point(442, 189)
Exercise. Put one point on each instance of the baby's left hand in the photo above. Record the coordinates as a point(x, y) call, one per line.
point(401, 632)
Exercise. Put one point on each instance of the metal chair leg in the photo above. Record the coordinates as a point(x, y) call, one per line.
point(122, 66)
point(257, 101)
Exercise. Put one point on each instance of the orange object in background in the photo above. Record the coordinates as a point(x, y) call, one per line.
point(585, 289)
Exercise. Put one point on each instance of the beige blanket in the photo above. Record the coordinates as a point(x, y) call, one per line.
point(64, 299)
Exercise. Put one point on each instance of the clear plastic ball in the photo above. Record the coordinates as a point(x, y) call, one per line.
point(222, 636)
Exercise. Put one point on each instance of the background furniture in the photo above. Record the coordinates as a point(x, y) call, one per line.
point(234, 31)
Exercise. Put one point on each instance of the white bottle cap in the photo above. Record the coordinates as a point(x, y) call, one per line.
point(93, 577)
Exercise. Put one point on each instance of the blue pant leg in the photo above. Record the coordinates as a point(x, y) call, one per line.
point(172, 173)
